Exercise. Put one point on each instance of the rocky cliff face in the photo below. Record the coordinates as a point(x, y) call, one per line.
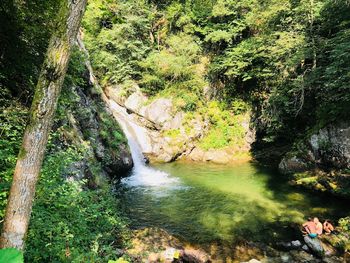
point(325, 161)
point(167, 138)
point(89, 125)
point(328, 148)
point(331, 146)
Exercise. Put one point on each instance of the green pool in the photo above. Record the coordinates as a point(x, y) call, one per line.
point(204, 203)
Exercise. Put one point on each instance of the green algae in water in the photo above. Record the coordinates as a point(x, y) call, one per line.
point(215, 203)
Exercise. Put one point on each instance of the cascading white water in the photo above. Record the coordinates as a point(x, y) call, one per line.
point(139, 141)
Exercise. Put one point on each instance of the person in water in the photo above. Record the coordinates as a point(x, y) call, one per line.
point(319, 227)
point(328, 227)
point(310, 228)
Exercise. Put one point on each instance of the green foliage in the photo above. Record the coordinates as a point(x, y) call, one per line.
point(119, 260)
point(334, 77)
point(289, 58)
point(13, 119)
point(11, 255)
point(110, 132)
point(177, 65)
point(117, 36)
point(69, 222)
point(239, 106)
point(25, 31)
point(344, 223)
point(225, 129)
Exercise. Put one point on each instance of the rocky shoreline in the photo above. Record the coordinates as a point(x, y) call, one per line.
point(156, 245)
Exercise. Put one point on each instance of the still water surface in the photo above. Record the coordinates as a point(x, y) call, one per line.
point(205, 203)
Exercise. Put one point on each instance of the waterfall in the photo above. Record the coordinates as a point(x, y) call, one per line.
point(139, 142)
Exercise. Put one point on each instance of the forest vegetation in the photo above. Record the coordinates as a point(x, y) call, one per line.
point(286, 63)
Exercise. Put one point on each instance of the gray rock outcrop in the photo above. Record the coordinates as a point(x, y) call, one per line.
point(329, 147)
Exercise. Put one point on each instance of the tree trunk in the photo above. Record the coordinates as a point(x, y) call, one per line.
point(35, 137)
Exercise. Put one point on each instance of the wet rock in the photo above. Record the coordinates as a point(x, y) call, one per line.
point(314, 245)
point(170, 139)
point(196, 154)
point(286, 245)
point(216, 156)
point(292, 165)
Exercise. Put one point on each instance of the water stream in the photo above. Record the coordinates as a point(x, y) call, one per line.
point(206, 203)
point(139, 142)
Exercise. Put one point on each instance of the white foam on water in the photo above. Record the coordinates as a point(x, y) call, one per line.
point(138, 140)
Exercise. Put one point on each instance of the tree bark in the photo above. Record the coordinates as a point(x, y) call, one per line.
point(35, 137)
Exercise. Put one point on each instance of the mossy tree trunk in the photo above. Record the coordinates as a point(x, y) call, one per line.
point(41, 117)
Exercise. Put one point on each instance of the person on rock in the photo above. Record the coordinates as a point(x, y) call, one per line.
point(328, 227)
point(319, 227)
point(309, 228)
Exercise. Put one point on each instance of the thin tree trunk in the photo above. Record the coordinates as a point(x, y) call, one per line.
point(35, 137)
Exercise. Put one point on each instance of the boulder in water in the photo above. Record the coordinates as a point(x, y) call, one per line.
point(292, 165)
point(314, 245)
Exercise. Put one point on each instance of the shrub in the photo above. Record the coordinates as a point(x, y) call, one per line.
point(12, 119)
point(69, 222)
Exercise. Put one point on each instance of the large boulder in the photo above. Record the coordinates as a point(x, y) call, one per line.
point(159, 111)
point(135, 102)
point(331, 145)
point(176, 122)
point(196, 155)
point(115, 93)
point(217, 156)
point(290, 165)
point(315, 245)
